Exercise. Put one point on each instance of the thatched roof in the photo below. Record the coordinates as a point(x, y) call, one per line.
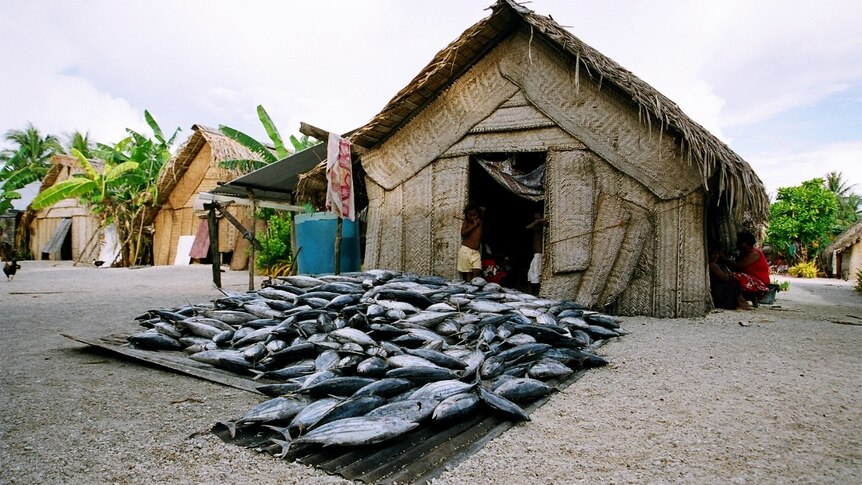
point(222, 148)
point(844, 240)
point(60, 162)
point(720, 167)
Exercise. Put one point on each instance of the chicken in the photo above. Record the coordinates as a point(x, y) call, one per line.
point(10, 268)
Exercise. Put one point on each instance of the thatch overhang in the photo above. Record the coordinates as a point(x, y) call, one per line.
point(844, 240)
point(725, 174)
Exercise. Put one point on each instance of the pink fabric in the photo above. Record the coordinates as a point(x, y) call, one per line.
point(201, 246)
point(339, 177)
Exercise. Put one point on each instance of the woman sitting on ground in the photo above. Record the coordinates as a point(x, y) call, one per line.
point(750, 269)
point(725, 290)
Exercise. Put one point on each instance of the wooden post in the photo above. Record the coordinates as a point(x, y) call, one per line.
point(338, 246)
point(253, 229)
point(293, 249)
point(84, 251)
point(215, 256)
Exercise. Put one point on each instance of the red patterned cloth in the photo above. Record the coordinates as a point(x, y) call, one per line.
point(750, 284)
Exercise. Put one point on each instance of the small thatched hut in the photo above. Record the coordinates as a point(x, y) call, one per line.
point(68, 228)
point(195, 169)
point(843, 256)
point(633, 189)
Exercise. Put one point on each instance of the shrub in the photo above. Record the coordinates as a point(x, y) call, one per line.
point(859, 280)
point(782, 285)
point(805, 269)
point(275, 254)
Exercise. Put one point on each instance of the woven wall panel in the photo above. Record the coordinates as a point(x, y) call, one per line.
point(83, 228)
point(608, 125)
point(162, 237)
point(559, 286)
point(693, 269)
point(513, 118)
point(186, 188)
point(610, 229)
point(630, 251)
point(418, 201)
point(535, 140)
point(517, 99)
point(373, 225)
point(681, 278)
point(570, 201)
point(443, 122)
point(638, 297)
point(450, 183)
point(391, 240)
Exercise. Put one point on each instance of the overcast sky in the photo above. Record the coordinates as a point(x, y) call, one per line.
point(779, 80)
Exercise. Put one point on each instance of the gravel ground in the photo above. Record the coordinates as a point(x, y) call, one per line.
point(767, 396)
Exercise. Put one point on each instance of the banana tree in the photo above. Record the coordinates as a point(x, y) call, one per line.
point(124, 191)
point(265, 154)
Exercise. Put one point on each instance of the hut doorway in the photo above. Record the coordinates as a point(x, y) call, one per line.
point(506, 240)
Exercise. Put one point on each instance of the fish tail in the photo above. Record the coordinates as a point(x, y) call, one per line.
point(285, 446)
point(257, 374)
point(282, 431)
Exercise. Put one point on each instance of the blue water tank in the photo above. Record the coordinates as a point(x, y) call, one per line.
point(315, 234)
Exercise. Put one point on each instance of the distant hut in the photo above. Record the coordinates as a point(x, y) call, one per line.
point(634, 190)
point(195, 169)
point(843, 256)
point(68, 229)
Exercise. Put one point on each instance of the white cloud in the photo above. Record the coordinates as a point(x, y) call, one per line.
point(786, 169)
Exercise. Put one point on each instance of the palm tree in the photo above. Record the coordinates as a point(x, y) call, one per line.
point(81, 142)
point(28, 162)
point(849, 203)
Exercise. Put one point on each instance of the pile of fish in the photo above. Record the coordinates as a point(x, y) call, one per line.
point(362, 358)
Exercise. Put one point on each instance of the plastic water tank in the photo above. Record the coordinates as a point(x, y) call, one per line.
point(315, 234)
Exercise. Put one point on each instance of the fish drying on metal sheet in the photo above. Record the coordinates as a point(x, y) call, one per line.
point(454, 407)
point(412, 340)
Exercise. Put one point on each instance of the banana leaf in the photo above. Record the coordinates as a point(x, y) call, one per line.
point(273, 133)
point(248, 142)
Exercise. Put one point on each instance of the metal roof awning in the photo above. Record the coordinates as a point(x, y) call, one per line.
point(275, 182)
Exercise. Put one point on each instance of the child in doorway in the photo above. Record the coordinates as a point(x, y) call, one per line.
point(534, 274)
point(469, 258)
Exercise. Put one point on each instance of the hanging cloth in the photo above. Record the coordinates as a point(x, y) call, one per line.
point(530, 186)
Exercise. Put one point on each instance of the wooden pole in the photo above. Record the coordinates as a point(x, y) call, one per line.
point(87, 247)
point(215, 256)
point(253, 231)
point(338, 246)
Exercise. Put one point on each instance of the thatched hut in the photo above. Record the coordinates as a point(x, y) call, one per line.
point(843, 256)
point(195, 169)
point(634, 190)
point(68, 228)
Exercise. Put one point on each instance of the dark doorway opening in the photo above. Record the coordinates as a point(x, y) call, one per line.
point(66, 248)
point(505, 239)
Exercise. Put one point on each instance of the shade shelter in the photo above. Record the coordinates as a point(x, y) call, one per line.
point(634, 190)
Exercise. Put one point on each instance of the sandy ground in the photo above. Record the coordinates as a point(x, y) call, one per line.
point(768, 396)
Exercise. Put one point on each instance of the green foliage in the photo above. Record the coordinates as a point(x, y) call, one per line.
point(849, 203)
point(859, 280)
point(265, 154)
point(123, 190)
point(782, 285)
point(27, 162)
point(805, 269)
point(805, 213)
point(275, 244)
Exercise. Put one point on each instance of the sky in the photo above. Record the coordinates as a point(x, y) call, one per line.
point(779, 81)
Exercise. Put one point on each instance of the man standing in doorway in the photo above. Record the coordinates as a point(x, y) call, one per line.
point(469, 258)
point(534, 274)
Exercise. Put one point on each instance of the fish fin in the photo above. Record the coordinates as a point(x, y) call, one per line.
point(282, 431)
point(231, 427)
point(285, 447)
